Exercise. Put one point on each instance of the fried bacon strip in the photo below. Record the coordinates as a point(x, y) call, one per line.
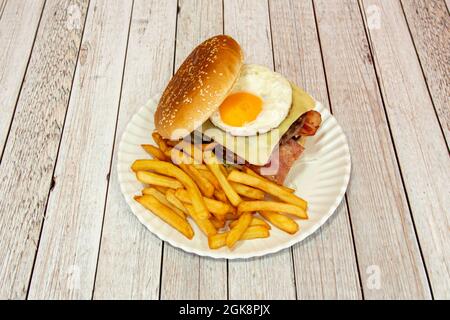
point(289, 150)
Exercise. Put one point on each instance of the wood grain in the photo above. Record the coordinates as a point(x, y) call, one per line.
point(2, 7)
point(130, 256)
point(269, 277)
point(388, 254)
point(184, 275)
point(30, 153)
point(67, 254)
point(325, 264)
point(425, 166)
point(18, 27)
point(388, 86)
point(429, 23)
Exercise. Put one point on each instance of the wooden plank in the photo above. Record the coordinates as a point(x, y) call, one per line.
point(429, 23)
point(248, 22)
point(18, 27)
point(68, 249)
point(2, 7)
point(130, 256)
point(386, 246)
point(187, 276)
point(425, 166)
point(28, 160)
point(324, 268)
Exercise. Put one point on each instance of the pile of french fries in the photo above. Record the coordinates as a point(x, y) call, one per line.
point(228, 204)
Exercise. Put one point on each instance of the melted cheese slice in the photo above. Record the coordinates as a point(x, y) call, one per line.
point(257, 149)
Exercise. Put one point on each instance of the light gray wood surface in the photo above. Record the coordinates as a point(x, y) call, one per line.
point(18, 26)
point(2, 7)
point(130, 257)
point(67, 254)
point(324, 267)
point(429, 24)
point(30, 153)
point(74, 72)
point(381, 220)
point(426, 167)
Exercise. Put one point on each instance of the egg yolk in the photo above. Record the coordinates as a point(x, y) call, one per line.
point(240, 108)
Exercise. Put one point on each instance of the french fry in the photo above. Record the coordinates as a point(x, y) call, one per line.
point(220, 195)
point(218, 240)
point(203, 184)
point(162, 198)
point(217, 208)
point(161, 189)
point(229, 169)
point(218, 224)
point(159, 141)
point(157, 179)
point(170, 169)
point(211, 178)
point(214, 166)
point(253, 173)
point(231, 216)
point(255, 222)
point(280, 221)
point(267, 186)
point(253, 232)
point(250, 206)
point(223, 170)
point(166, 214)
point(247, 191)
point(204, 224)
point(155, 152)
point(182, 185)
point(171, 143)
point(170, 196)
point(232, 211)
point(236, 233)
point(200, 166)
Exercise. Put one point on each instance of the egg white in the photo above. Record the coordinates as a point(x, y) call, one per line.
point(275, 92)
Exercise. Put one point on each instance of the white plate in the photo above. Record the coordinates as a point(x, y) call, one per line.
point(320, 176)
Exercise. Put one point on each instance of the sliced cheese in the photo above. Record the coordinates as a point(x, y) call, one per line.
point(257, 149)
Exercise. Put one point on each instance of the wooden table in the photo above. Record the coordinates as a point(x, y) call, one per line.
point(72, 73)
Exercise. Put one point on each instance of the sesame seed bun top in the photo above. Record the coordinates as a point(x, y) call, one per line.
point(198, 87)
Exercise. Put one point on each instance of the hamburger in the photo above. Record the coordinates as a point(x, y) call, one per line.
point(253, 116)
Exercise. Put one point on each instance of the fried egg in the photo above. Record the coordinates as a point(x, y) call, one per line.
point(258, 102)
